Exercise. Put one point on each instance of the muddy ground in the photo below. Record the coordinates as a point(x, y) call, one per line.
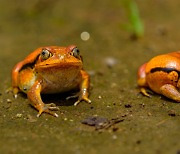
point(146, 125)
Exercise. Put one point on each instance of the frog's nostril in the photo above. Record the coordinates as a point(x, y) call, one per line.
point(61, 57)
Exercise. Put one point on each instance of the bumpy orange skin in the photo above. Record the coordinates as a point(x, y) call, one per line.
point(50, 69)
point(161, 74)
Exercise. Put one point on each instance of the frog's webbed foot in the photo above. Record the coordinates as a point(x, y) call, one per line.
point(144, 92)
point(80, 98)
point(48, 108)
point(13, 90)
point(86, 99)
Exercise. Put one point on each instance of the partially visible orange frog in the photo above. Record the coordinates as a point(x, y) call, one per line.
point(48, 70)
point(162, 75)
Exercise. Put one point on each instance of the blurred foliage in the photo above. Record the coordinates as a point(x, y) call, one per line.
point(135, 25)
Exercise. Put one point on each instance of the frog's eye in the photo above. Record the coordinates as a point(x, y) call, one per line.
point(76, 52)
point(45, 54)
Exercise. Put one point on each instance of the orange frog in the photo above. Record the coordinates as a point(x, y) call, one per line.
point(48, 70)
point(162, 75)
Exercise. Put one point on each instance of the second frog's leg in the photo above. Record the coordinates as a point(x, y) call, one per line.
point(36, 101)
point(144, 92)
point(141, 80)
point(84, 88)
point(171, 92)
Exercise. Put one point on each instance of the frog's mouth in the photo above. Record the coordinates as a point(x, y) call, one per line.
point(59, 65)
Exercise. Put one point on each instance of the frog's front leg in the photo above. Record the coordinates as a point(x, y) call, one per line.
point(171, 92)
point(34, 95)
point(84, 88)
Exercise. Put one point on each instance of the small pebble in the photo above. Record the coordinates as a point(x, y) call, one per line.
point(124, 115)
point(99, 97)
point(142, 105)
point(19, 115)
point(8, 100)
point(114, 129)
point(114, 137)
point(110, 61)
point(113, 85)
point(91, 107)
point(172, 113)
point(149, 114)
point(138, 141)
point(127, 105)
point(94, 121)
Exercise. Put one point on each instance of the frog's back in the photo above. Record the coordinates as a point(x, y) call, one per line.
point(171, 60)
point(163, 69)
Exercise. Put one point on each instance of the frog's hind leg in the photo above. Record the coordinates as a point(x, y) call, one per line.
point(171, 92)
point(142, 80)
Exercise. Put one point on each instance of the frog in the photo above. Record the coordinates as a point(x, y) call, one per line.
point(161, 74)
point(50, 70)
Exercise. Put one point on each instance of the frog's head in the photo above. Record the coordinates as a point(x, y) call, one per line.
point(55, 57)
